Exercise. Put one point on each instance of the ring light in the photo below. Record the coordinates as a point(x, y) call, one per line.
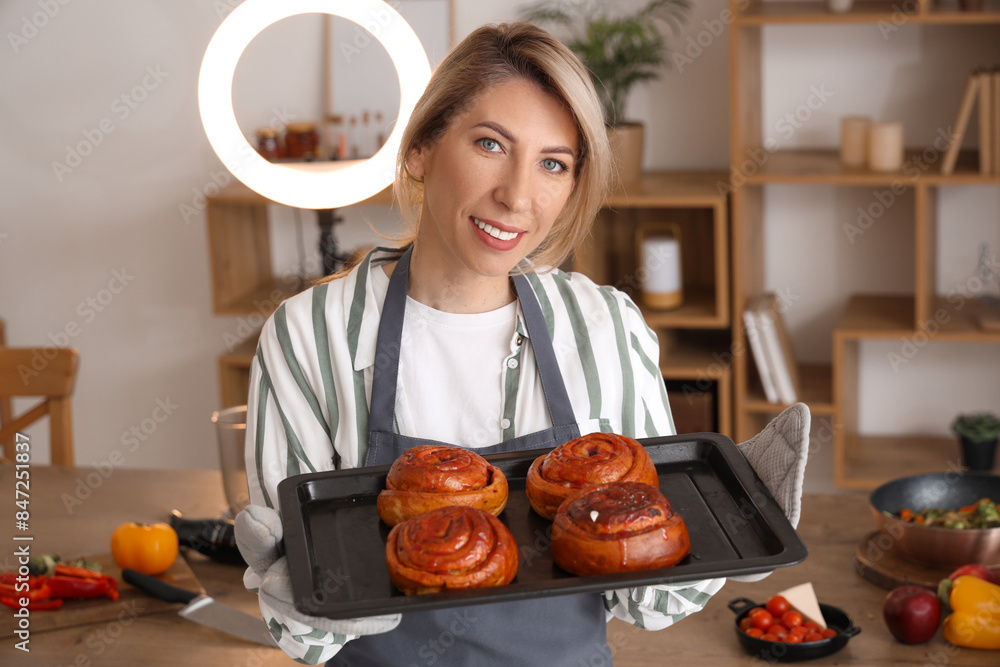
point(317, 185)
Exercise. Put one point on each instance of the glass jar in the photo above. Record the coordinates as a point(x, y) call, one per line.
point(267, 143)
point(301, 141)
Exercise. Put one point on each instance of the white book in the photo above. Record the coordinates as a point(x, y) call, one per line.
point(759, 356)
point(777, 349)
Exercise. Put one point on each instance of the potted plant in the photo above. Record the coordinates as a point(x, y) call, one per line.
point(978, 433)
point(620, 50)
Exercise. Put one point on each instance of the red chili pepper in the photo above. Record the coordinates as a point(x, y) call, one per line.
point(9, 579)
point(71, 571)
point(33, 605)
point(79, 587)
point(39, 592)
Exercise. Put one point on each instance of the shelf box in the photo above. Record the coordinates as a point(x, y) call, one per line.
point(870, 461)
point(691, 362)
point(697, 203)
point(234, 373)
point(817, 392)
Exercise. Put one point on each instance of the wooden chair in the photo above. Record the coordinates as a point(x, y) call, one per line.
point(49, 373)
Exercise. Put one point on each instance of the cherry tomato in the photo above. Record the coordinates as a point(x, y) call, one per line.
point(800, 631)
point(770, 638)
point(778, 630)
point(777, 605)
point(811, 625)
point(762, 620)
point(755, 632)
point(827, 633)
point(812, 637)
point(792, 639)
point(745, 623)
point(791, 619)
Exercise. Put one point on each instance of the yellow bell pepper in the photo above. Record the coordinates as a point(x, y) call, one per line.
point(975, 618)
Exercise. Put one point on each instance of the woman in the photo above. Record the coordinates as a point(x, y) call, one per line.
point(456, 337)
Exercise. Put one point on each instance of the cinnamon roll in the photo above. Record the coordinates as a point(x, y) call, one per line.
point(448, 548)
point(590, 459)
point(431, 476)
point(618, 527)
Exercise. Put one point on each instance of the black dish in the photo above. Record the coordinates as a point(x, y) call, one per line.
point(835, 618)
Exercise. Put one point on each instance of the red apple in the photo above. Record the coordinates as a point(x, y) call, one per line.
point(912, 613)
point(976, 570)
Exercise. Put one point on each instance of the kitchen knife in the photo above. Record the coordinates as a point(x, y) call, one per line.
point(203, 609)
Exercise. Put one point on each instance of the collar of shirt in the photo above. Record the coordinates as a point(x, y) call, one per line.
point(374, 296)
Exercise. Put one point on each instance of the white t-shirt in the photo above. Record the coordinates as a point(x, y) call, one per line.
point(479, 344)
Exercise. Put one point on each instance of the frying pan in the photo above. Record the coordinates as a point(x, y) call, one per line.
point(938, 547)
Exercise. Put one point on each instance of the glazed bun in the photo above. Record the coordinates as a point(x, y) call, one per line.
point(618, 527)
point(448, 548)
point(432, 476)
point(590, 459)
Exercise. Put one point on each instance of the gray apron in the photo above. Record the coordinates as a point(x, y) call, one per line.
point(560, 630)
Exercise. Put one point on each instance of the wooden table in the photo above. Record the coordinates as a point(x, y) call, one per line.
point(74, 511)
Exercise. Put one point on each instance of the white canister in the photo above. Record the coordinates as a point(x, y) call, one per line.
point(885, 147)
point(660, 271)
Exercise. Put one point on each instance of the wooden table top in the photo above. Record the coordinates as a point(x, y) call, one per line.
point(73, 511)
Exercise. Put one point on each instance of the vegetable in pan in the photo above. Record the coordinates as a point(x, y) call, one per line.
point(981, 514)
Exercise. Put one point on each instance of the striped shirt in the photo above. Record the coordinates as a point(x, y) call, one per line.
point(311, 379)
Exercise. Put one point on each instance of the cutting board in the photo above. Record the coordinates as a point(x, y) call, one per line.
point(131, 603)
point(879, 563)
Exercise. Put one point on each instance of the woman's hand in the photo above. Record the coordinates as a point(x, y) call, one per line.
point(778, 455)
point(258, 535)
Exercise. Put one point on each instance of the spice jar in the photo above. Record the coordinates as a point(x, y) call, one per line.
point(267, 143)
point(301, 141)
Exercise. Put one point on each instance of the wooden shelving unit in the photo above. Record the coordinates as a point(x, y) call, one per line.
point(243, 280)
point(695, 338)
point(860, 461)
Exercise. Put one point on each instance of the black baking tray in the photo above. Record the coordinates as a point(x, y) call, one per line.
point(335, 541)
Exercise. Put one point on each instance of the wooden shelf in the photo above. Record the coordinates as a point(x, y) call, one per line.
point(817, 392)
point(672, 189)
point(823, 167)
point(953, 319)
point(871, 461)
point(860, 461)
point(863, 12)
point(690, 361)
point(699, 311)
point(234, 372)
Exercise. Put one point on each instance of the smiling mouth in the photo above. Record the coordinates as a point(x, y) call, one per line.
point(493, 231)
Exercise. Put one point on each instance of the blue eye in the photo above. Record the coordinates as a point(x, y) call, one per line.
point(551, 164)
point(491, 145)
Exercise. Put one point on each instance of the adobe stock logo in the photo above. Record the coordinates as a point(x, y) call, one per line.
point(31, 25)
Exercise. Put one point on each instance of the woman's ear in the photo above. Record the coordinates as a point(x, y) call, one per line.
point(415, 162)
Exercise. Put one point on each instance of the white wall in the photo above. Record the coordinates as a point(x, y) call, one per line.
point(149, 340)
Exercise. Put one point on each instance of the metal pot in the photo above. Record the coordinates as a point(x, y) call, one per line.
point(938, 547)
point(783, 652)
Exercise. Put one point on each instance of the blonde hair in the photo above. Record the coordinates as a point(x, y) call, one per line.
point(492, 55)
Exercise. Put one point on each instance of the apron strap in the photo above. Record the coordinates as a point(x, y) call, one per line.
point(553, 387)
point(390, 337)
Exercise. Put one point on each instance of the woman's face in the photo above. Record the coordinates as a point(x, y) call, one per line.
point(496, 181)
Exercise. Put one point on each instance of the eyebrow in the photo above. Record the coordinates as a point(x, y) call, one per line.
point(499, 129)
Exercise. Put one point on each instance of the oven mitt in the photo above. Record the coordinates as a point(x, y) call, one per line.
point(258, 536)
point(778, 455)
